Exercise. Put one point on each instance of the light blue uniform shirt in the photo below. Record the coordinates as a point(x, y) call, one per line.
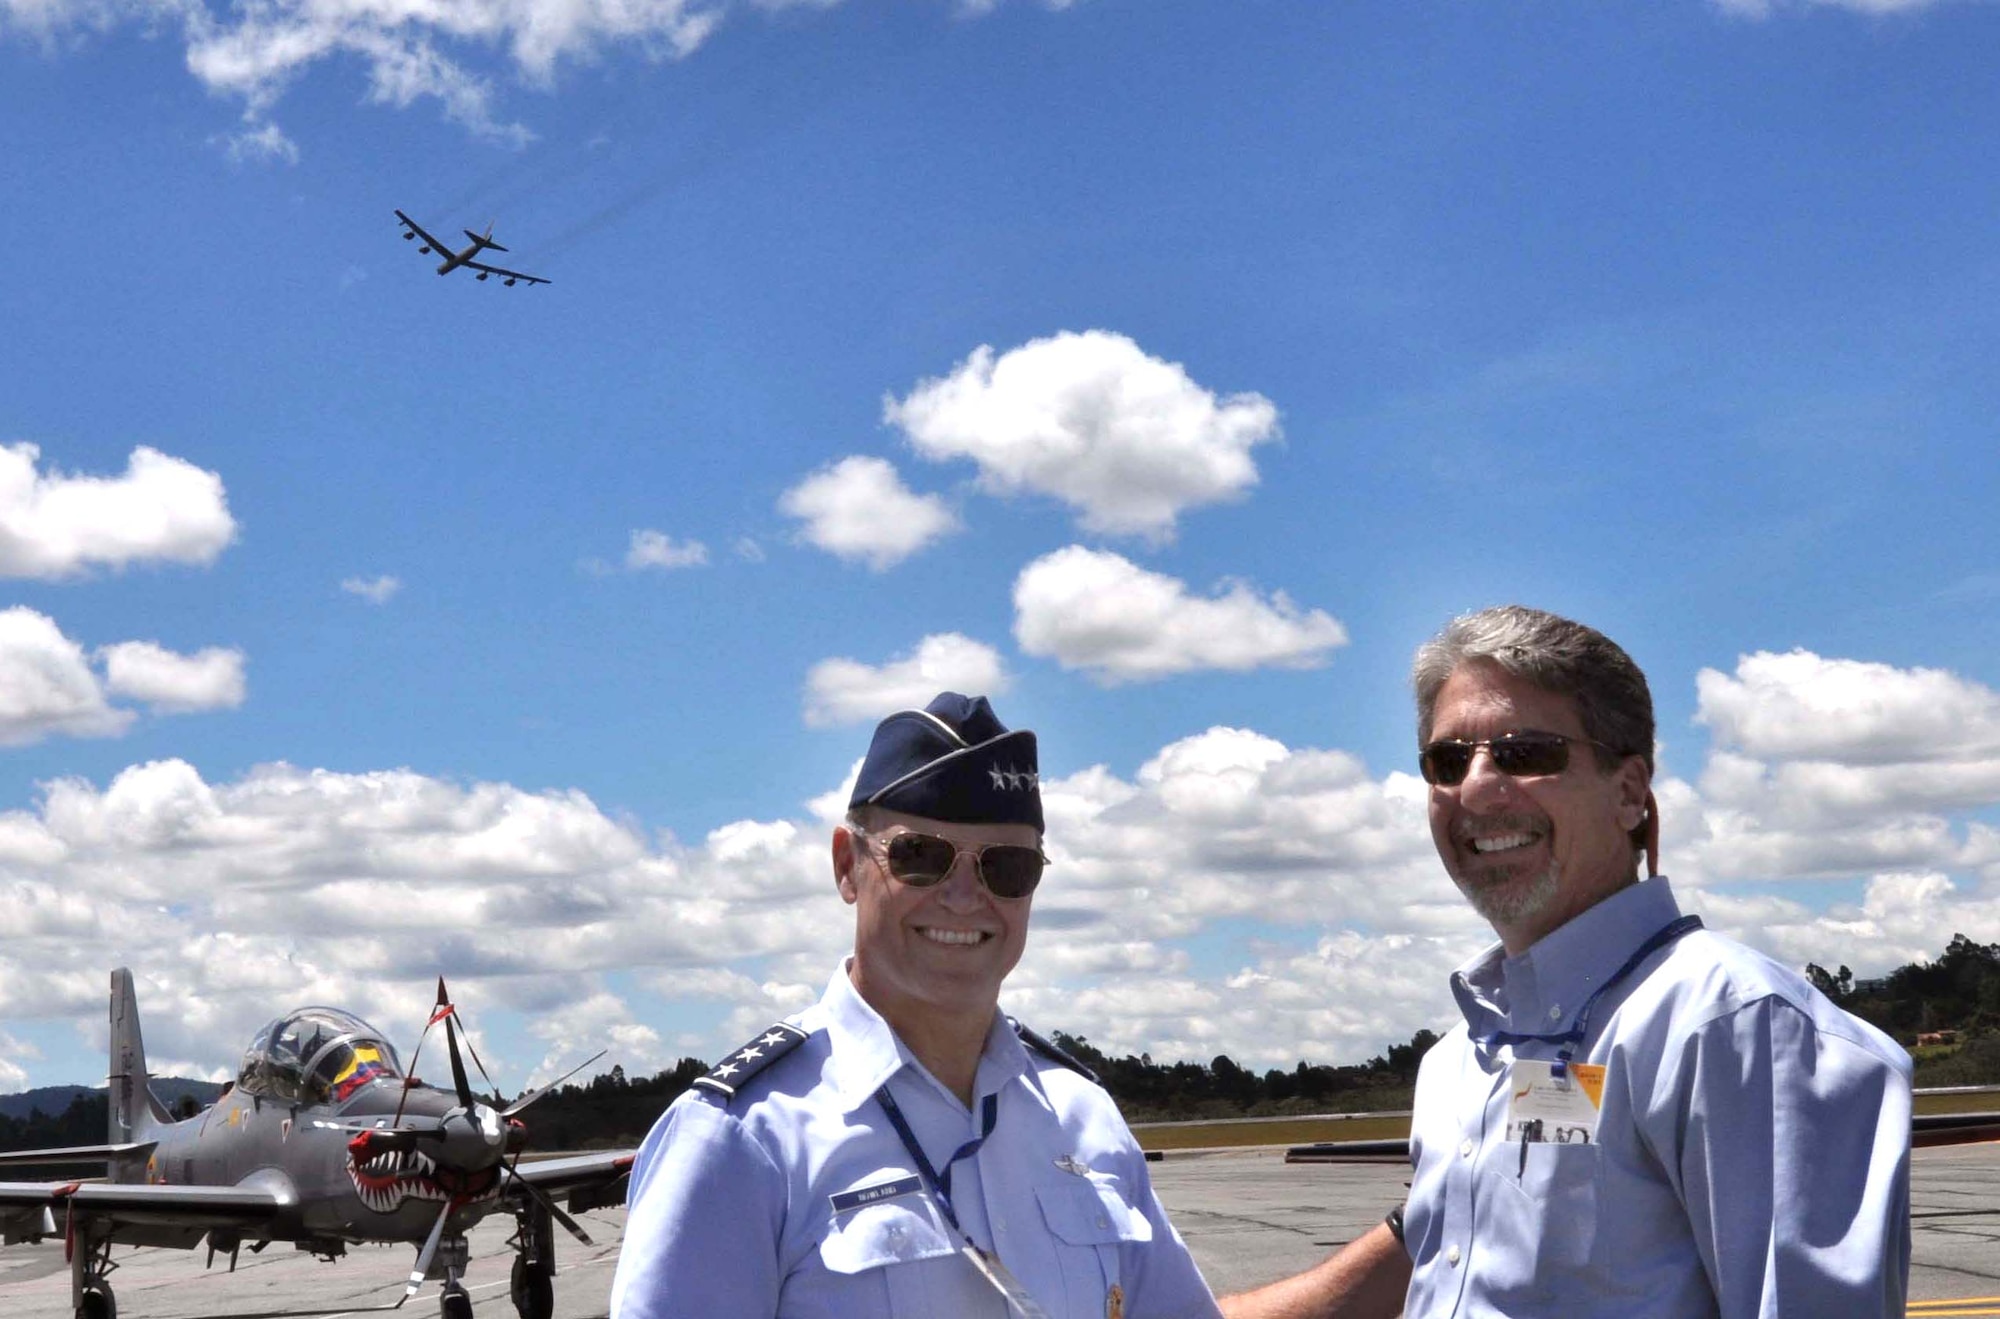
point(733, 1212)
point(1752, 1155)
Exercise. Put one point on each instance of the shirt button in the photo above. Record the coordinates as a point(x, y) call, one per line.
point(1102, 1221)
point(1465, 1149)
point(999, 1225)
point(1451, 1256)
point(1555, 1012)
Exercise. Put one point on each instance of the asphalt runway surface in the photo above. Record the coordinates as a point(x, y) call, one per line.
point(1248, 1217)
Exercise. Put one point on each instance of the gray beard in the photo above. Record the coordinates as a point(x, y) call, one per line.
point(1514, 901)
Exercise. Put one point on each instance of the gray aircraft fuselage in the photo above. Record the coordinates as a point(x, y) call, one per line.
point(261, 1140)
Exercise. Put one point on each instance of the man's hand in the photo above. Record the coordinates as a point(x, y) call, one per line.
point(1366, 1279)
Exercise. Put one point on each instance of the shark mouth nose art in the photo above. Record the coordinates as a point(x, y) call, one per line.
point(387, 1180)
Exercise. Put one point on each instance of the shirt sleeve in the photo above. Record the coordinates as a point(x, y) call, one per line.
point(1790, 1148)
point(1165, 1282)
point(705, 1214)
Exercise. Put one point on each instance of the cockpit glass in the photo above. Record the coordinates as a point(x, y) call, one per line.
point(317, 1055)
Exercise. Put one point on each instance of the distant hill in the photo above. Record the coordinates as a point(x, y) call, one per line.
point(54, 1100)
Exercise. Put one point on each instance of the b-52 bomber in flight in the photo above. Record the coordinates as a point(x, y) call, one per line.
point(323, 1140)
point(453, 260)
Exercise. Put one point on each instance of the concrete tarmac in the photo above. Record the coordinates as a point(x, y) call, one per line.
point(1247, 1216)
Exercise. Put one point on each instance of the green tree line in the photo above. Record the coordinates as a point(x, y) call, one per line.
point(1959, 992)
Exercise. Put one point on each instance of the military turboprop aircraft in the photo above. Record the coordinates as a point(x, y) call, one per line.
point(322, 1140)
point(453, 260)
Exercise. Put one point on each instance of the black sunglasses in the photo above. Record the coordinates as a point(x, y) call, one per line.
point(1008, 870)
point(1526, 754)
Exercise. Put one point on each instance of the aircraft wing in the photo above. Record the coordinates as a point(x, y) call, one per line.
point(509, 275)
point(141, 1214)
point(590, 1180)
point(418, 230)
point(71, 1154)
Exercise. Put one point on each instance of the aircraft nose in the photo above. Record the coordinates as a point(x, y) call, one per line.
point(473, 1138)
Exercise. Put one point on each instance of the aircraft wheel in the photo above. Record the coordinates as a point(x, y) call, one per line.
point(534, 1291)
point(455, 1305)
point(97, 1303)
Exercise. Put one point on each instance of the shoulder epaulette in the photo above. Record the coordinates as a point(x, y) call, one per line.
point(730, 1074)
point(1051, 1052)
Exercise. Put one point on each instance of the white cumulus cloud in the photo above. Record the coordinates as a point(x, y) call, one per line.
point(860, 510)
point(1128, 440)
point(1799, 706)
point(845, 691)
point(1100, 612)
point(55, 525)
point(375, 590)
point(171, 683)
point(656, 549)
point(47, 685)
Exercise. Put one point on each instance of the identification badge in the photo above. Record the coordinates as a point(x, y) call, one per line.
point(1558, 1108)
point(1004, 1282)
point(1114, 1303)
point(868, 1195)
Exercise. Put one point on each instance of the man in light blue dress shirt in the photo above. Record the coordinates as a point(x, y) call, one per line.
point(1636, 1118)
point(901, 1150)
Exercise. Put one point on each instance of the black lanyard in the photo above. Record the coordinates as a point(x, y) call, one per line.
point(1574, 1036)
point(940, 1186)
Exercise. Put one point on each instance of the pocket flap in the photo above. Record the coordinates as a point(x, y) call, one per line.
point(891, 1232)
point(1084, 1213)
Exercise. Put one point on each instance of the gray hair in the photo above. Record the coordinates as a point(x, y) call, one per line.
point(1557, 655)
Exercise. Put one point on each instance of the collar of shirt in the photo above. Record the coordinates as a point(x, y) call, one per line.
point(1541, 991)
point(865, 1052)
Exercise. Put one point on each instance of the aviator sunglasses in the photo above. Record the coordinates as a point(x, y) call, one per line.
point(1526, 754)
point(1008, 870)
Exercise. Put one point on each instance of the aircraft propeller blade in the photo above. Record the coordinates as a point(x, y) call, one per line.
point(541, 1198)
point(439, 1013)
point(424, 1256)
point(533, 1095)
point(458, 1081)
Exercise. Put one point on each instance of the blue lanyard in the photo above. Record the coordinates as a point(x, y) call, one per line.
point(940, 1186)
point(1574, 1036)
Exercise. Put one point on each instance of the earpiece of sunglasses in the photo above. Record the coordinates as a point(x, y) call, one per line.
point(1009, 870)
point(1526, 754)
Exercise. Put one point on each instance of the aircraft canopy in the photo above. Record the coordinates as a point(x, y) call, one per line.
point(316, 1055)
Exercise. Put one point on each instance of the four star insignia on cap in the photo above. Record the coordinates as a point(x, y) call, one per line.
point(751, 1059)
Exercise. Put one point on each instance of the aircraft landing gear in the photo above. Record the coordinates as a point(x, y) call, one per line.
point(449, 1264)
point(89, 1267)
point(533, 1287)
point(453, 1303)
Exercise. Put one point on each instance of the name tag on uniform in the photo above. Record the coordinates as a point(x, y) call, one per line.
point(868, 1195)
point(1558, 1108)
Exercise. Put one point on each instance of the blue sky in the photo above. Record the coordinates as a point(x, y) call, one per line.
point(1169, 369)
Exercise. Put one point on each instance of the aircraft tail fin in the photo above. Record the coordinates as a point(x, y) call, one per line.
point(485, 240)
point(135, 1110)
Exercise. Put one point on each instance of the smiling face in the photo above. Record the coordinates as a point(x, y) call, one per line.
point(942, 950)
point(1530, 853)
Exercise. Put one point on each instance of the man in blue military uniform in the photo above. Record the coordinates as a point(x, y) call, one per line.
point(1636, 1117)
point(901, 1149)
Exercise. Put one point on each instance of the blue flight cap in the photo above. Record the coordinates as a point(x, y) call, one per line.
point(955, 761)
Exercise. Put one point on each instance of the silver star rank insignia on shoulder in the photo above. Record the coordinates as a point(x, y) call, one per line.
point(730, 1075)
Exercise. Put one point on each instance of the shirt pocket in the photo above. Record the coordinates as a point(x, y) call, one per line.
point(1552, 1204)
point(1090, 1222)
point(898, 1258)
